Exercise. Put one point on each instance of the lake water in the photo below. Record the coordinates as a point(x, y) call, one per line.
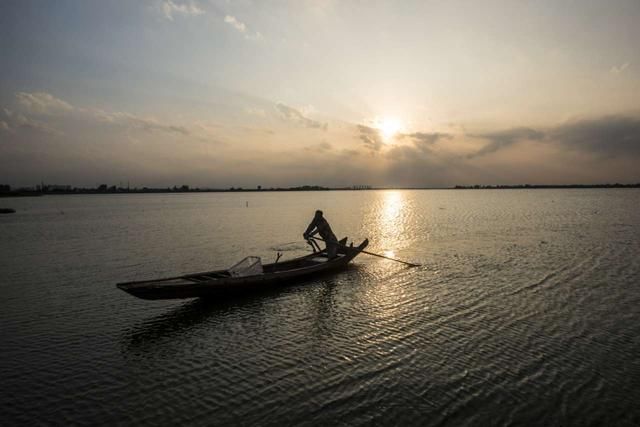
point(525, 311)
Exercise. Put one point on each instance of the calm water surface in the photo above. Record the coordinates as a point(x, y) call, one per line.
point(526, 311)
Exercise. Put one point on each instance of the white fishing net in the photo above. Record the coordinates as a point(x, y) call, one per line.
point(250, 266)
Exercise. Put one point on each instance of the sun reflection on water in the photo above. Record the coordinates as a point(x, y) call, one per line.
point(390, 222)
point(393, 202)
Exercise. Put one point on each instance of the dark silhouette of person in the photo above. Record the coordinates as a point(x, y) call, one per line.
point(319, 225)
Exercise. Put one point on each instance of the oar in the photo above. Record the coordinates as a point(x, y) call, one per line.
point(378, 255)
point(288, 243)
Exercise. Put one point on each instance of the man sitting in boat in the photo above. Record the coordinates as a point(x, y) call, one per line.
point(319, 225)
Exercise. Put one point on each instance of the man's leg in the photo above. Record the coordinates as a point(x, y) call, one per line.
point(332, 249)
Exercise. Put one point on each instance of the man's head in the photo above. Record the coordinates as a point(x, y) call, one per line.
point(318, 213)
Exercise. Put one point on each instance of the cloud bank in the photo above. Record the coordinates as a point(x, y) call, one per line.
point(609, 136)
point(36, 107)
point(371, 137)
point(42, 135)
point(294, 116)
point(502, 139)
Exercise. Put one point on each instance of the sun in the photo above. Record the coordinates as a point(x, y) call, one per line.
point(389, 127)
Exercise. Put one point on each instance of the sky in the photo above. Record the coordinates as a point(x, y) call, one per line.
point(222, 93)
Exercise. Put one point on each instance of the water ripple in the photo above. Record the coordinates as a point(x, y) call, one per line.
point(524, 311)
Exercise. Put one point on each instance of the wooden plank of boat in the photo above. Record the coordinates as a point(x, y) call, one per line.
point(220, 283)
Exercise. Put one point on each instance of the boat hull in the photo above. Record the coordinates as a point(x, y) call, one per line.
point(214, 284)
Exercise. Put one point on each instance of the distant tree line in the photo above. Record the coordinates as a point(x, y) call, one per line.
point(525, 186)
point(113, 189)
point(7, 191)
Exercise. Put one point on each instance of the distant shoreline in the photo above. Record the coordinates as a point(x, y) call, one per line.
point(185, 189)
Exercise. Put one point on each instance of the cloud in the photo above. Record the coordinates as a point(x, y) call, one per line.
point(254, 36)
point(371, 137)
point(295, 116)
point(231, 20)
point(43, 103)
point(412, 166)
point(136, 122)
point(325, 146)
point(617, 69)
point(423, 140)
point(48, 106)
point(242, 27)
point(349, 152)
point(505, 138)
point(429, 138)
point(15, 121)
point(609, 136)
point(321, 147)
point(171, 8)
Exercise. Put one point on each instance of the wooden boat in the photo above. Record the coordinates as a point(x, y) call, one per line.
point(222, 282)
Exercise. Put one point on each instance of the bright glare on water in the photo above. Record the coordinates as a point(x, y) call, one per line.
point(525, 310)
